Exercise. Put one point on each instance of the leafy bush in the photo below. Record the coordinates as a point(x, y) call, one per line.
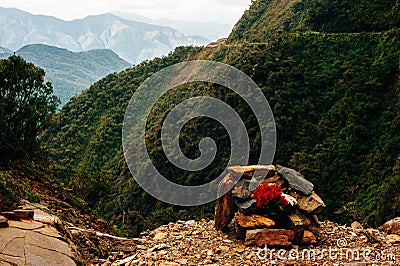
point(7, 195)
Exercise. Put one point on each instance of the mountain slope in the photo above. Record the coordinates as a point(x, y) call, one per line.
point(132, 41)
point(5, 51)
point(265, 18)
point(336, 103)
point(70, 72)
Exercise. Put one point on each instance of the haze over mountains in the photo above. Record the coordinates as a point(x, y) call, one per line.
point(130, 38)
point(70, 72)
point(5, 50)
point(202, 28)
point(132, 41)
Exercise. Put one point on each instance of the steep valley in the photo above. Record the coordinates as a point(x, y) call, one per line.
point(331, 73)
point(334, 95)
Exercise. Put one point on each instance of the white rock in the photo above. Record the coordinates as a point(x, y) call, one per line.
point(190, 222)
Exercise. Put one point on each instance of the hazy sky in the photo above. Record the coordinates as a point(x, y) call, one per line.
point(225, 11)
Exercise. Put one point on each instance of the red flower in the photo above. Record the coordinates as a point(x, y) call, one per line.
point(266, 194)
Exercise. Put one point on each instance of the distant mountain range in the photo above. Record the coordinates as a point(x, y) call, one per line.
point(133, 41)
point(209, 29)
point(5, 50)
point(70, 72)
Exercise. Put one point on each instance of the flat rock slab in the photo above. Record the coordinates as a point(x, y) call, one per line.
point(26, 224)
point(39, 256)
point(295, 220)
point(253, 221)
point(15, 248)
point(248, 171)
point(50, 243)
point(49, 231)
point(46, 219)
point(10, 260)
point(8, 234)
point(270, 237)
point(29, 242)
point(296, 180)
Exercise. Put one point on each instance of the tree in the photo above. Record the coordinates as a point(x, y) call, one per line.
point(27, 105)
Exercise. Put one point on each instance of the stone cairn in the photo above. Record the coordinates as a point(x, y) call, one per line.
point(237, 209)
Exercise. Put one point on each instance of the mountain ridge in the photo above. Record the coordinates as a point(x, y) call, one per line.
point(4, 50)
point(188, 28)
point(267, 18)
point(106, 31)
point(71, 72)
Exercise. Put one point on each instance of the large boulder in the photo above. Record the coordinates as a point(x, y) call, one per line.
point(225, 207)
point(296, 180)
point(270, 237)
point(312, 203)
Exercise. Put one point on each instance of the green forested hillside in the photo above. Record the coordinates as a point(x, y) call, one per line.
point(265, 18)
point(335, 98)
point(71, 72)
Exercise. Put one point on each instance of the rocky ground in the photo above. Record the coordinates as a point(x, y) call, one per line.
point(198, 243)
point(29, 237)
point(84, 244)
point(188, 243)
point(82, 239)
